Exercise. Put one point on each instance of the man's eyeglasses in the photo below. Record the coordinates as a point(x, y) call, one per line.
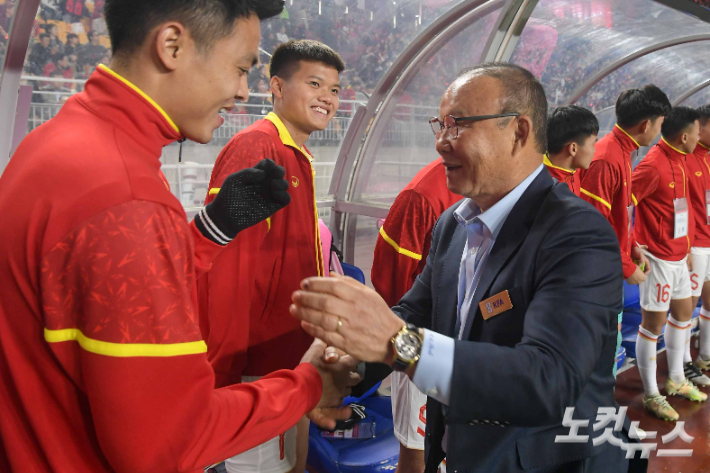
point(451, 123)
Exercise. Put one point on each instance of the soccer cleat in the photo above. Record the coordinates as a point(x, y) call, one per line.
point(660, 407)
point(702, 364)
point(695, 376)
point(686, 389)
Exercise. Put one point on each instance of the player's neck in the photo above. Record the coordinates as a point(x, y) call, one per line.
point(297, 135)
point(562, 160)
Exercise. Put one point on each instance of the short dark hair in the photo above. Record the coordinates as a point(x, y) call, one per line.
point(130, 21)
point(288, 55)
point(72, 36)
point(58, 57)
point(704, 112)
point(636, 105)
point(49, 26)
point(677, 121)
point(523, 94)
point(570, 124)
point(44, 35)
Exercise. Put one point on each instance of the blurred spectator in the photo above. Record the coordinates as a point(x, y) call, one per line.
point(60, 63)
point(40, 55)
point(281, 35)
point(72, 46)
point(55, 44)
point(265, 102)
point(60, 92)
point(93, 52)
point(6, 12)
point(72, 10)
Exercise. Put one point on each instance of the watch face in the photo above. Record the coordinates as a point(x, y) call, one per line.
point(407, 345)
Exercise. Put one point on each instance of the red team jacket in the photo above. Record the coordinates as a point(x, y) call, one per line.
point(699, 181)
point(405, 237)
point(658, 179)
point(251, 282)
point(103, 366)
point(571, 177)
point(607, 186)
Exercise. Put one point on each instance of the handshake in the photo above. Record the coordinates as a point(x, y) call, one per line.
point(357, 325)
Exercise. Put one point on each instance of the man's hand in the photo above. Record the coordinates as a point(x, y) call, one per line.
point(637, 277)
point(246, 198)
point(637, 254)
point(348, 316)
point(338, 376)
point(690, 262)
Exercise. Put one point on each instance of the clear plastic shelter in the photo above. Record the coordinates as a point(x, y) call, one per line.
point(400, 57)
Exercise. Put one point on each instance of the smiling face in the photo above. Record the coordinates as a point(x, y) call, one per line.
point(308, 99)
point(480, 163)
point(208, 82)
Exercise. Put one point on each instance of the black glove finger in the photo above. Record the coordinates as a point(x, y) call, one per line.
point(283, 198)
point(277, 172)
point(248, 176)
point(267, 165)
point(279, 185)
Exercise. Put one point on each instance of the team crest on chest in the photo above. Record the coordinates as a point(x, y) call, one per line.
point(698, 173)
point(672, 185)
point(294, 181)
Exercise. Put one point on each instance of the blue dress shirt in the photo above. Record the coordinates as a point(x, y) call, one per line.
point(436, 363)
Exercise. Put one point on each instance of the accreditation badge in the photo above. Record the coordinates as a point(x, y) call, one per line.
point(680, 207)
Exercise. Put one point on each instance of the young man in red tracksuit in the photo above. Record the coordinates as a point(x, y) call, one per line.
point(571, 136)
point(665, 226)
point(268, 262)
point(104, 368)
point(400, 256)
point(698, 164)
point(607, 183)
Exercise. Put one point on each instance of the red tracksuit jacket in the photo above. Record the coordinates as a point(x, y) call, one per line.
point(405, 237)
point(563, 175)
point(657, 180)
point(607, 186)
point(263, 266)
point(103, 366)
point(699, 181)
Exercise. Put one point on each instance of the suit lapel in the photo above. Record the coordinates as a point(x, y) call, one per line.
point(447, 305)
point(510, 237)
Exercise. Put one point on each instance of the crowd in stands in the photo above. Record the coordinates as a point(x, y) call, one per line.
point(69, 40)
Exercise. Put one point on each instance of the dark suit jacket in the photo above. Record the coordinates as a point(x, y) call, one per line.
point(515, 373)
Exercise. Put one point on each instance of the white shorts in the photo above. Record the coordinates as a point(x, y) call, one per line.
point(701, 270)
point(667, 280)
point(408, 412)
point(278, 455)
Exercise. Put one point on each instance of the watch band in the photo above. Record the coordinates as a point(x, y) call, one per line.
point(400, 364)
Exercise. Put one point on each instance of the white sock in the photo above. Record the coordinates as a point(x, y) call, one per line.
point(675, 347)
point(646, 360)
point(705, 334)
point(686, 350)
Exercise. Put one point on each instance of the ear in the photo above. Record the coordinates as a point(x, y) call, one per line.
point(647, 124)
point(277, 87)
point(522, 133)
point(171, 42)
point(572, 149)
point(684, 138)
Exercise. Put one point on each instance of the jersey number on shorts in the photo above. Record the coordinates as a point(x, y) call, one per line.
point(422, 417)
point(694, 281)
point(665, 295)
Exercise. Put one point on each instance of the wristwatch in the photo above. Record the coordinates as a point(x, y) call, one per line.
point(407, 346)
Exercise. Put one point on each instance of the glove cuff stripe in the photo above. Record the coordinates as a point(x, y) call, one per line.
point(216, 234)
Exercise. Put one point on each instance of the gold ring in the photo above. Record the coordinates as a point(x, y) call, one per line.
point(340, 325)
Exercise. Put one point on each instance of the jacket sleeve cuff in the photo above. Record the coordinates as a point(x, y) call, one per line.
point(313, 384)
point(628, 265)
point(206, 250)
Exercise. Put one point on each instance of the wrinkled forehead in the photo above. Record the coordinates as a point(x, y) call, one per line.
point(471, 95)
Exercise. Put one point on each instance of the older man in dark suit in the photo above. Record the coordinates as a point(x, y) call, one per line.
point(514, 317)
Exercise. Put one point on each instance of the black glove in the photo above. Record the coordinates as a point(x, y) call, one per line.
point(246, 198)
